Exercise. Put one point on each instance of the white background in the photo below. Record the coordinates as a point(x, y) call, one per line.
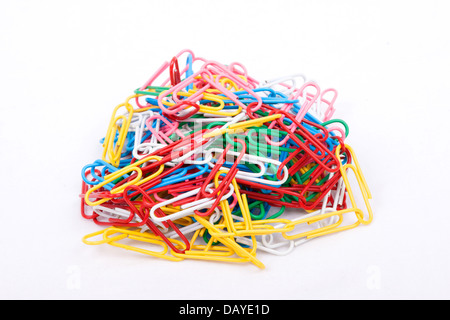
point(65, 65)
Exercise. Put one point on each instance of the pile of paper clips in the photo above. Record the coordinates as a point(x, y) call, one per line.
point(205, 162)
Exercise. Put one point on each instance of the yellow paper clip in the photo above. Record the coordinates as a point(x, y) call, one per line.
point(113, 235)
point(115, 175)
point(361, 183)
point(233, 245)
point(112, 150)
point(336, 227)
point(242, 125)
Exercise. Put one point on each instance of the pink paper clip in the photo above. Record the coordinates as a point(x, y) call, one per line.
point(163, 68)
point(162, 135)
point(251, 81)
point(310, 99)
point(173, 110)
point(330, 110)
point(214, 68)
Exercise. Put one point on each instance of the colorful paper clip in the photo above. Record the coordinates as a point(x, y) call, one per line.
point(208, 163)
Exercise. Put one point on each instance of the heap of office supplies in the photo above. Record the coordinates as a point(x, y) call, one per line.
point(205, 162)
